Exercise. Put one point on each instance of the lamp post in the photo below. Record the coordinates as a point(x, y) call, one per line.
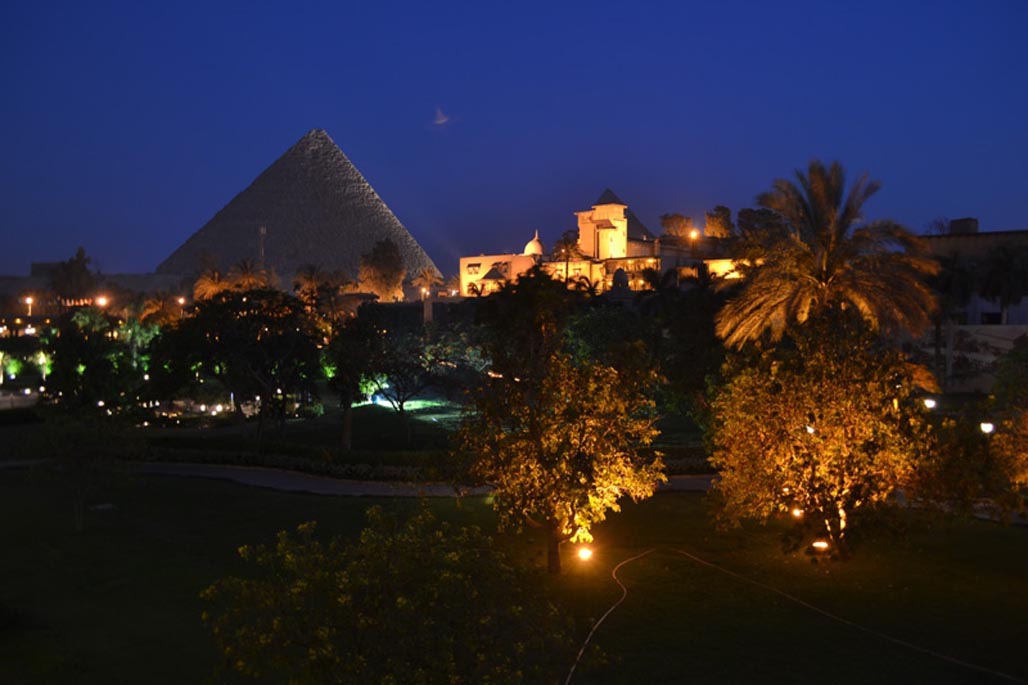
point(28, 302)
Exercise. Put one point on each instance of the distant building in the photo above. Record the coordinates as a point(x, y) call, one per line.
point(613, 246)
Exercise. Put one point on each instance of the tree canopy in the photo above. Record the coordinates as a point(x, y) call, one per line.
point(561, 442)
point(826, 426)
point(412, 602)
point(825, 257)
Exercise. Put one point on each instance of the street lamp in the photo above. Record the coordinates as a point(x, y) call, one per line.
point(986, 427)
point(29, 301)
point(101, 301)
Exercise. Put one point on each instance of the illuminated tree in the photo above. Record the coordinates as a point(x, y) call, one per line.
point(826, 426)
point(828, 258)
point(560, 441)
point(427, 280)
point(161, 309)
point(382, 271)
point(718, 223)
point(249, 275)
point(210, 283)
point(676, 225)
point(567, 249)
point(418, 602)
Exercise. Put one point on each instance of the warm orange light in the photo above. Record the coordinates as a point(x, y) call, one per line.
point(797, 512)
point(101, 301)
point(584, 553)
point(29, 300)
point(929, 403)
point(694, 234)
point(820, 545)
point(181, 301)
point(986, 427)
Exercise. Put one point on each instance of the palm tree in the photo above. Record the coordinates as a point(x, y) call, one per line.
point(209, 283)
point(567, 248)
point(160, 309)
point(247, 274)
point(426, 280)
point(308, 284)
point(829, 258)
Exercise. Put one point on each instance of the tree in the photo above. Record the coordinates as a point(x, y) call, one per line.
point(92, 366)
point(417, 602)
point(677, 225)
point(259, 343)
point(246, 274)
point(308, 285)
point(382, 271)
point(718, 223)
point(829, 259)
point(161, 309)
point(567, 249)
point(826, 427)
point(210, 283)
point(426, 281)
point(561, 442)
point(1005, 277)
point(72, 279)
point(350, 355)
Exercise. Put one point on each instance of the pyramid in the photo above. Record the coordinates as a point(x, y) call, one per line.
point(315, 207)
point(636, 229)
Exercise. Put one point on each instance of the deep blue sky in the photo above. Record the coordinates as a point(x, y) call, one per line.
point(125, 126)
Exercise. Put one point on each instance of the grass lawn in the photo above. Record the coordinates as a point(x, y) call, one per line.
point(119, 602)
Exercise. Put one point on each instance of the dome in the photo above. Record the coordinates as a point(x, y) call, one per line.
point(534, 246)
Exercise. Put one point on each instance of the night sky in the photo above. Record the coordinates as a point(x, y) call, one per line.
point(126, 126)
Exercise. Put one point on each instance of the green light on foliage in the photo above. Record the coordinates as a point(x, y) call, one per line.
point(80, 369)
point(328, 370)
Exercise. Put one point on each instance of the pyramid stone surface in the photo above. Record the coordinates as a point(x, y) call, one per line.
point(317, 209)
point(636, 229)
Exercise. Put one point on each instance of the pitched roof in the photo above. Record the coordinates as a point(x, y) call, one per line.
point(636, 229)
point(316, 207)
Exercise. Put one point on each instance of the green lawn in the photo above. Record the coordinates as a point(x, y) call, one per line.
point(118, 603)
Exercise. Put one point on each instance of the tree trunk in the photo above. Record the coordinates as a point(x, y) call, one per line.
point(347, 402)
point(553, 549)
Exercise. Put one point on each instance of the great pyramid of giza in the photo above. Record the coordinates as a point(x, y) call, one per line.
point(315, 208)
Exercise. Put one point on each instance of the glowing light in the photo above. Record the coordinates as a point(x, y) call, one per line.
point(181, 301)
point(797, 512)
point(219, 408)
point(101, 301)
point(146, 376)
point(929, 403)
point(986, 427)
point(27, 391)
point(584, 553)
point(100, 403)
point(820, 545)
point(810, 429)
point(694, 234)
